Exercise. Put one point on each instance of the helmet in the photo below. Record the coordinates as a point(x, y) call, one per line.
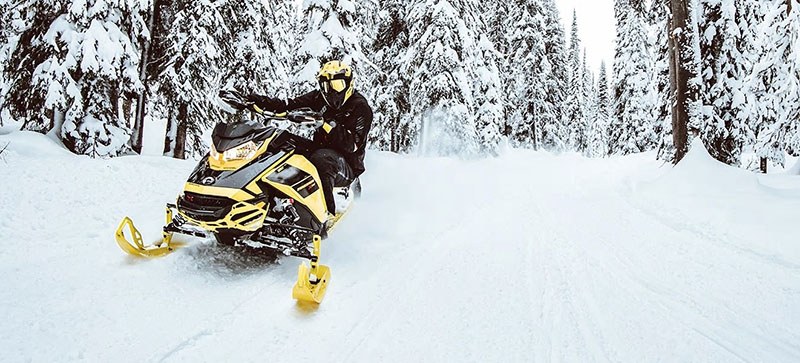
point(336, 83)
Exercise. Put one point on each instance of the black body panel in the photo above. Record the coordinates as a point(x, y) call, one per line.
point(228, 136)
point(240, 178)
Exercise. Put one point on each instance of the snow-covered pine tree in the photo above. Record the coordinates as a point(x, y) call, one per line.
point(591, 110)
point(777, 82)
point(442, 65)
point(589, 106)
point(97, 120)
point(658, 18)
point(554, 132)
point(391, 124)
point(727, 59)
point(574, 102)
point(598, 132)
point(490, 111)
point(327, 34)
point(259, 47)
point(365, 27)
point(639, 6)
point(190, 72)
point(75, 71)
point(36, 81)
point(6, 34)
point(525, 90)
point(632, 128)
point(496, 17)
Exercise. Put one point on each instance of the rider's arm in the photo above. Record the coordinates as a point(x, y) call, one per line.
point(312, 99)
point(351, 134)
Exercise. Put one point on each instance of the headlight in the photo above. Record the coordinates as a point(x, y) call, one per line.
point(242, 152)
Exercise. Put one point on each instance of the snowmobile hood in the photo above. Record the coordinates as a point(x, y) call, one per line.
point(227, 136)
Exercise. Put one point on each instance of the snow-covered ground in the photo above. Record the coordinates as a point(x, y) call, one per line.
point(525, 257)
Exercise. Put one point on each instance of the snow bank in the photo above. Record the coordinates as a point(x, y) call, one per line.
point(31, 145)
point(699, 172)
point(730, 205)
point(795, 170)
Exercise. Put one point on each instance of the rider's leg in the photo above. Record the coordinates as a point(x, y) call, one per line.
point(333, 172)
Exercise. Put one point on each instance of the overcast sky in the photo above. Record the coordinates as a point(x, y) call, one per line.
point(595, 28)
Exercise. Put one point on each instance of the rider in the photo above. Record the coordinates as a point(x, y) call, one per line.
point(342, 141)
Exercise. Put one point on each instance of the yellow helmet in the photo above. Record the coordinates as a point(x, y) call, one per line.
point(336, 83)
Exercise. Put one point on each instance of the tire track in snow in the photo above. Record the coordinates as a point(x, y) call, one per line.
point(220, 323)
point(719, 239)
point(367, 326)
point(691, 310)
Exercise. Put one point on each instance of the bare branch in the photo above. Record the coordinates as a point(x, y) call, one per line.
point(2, 150)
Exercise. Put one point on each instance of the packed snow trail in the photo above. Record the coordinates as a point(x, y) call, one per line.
point(524, 257)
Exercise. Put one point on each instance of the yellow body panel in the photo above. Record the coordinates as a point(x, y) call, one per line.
point(316, 200)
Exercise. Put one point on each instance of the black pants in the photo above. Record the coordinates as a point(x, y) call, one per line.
point(333, 171)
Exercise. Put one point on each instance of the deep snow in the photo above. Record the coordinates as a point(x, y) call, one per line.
point(525, 257)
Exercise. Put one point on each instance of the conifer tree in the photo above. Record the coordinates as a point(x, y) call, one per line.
point(7, 33)
point(574, 102)
point(554, 132)
point(591, 109)
point(36, 81)
point(659, 43)
point(777, 82)
point(498, 17)
point(726, 47)
point(96, 122)
point(191, 74)
point(443, 63)
point(391, 126)
point(598, 134)
point(528, 107)
point(632, 128)
point(490, 112)
point(76, 71)
point(589, 106)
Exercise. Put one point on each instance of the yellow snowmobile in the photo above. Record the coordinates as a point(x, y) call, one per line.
point(255, 188)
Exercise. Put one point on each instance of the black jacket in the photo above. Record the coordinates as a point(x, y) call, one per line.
point(353, 121)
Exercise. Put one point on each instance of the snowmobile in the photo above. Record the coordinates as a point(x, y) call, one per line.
point(255, 188)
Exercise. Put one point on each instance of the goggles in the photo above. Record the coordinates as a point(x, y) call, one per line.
point(337, 85)
point(333, 82)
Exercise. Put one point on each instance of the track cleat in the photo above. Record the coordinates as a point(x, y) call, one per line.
point(312, 281)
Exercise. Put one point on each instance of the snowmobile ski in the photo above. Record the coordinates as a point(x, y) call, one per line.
point(137, 246)
point(312, 281)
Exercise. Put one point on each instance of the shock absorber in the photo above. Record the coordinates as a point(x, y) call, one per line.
point(286, 206)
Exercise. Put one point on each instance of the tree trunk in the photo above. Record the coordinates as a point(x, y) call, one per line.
point(138, 125)
point(679, 76)
point(127, 107)
point(180, 136)
point(169, 138)
point(141, 102)
point(763, 165)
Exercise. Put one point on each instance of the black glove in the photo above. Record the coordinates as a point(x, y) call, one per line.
point(266, 103)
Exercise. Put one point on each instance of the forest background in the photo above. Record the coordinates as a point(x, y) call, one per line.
point(459, 77)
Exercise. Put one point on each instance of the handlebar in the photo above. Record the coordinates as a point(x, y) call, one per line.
point(305, 117)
